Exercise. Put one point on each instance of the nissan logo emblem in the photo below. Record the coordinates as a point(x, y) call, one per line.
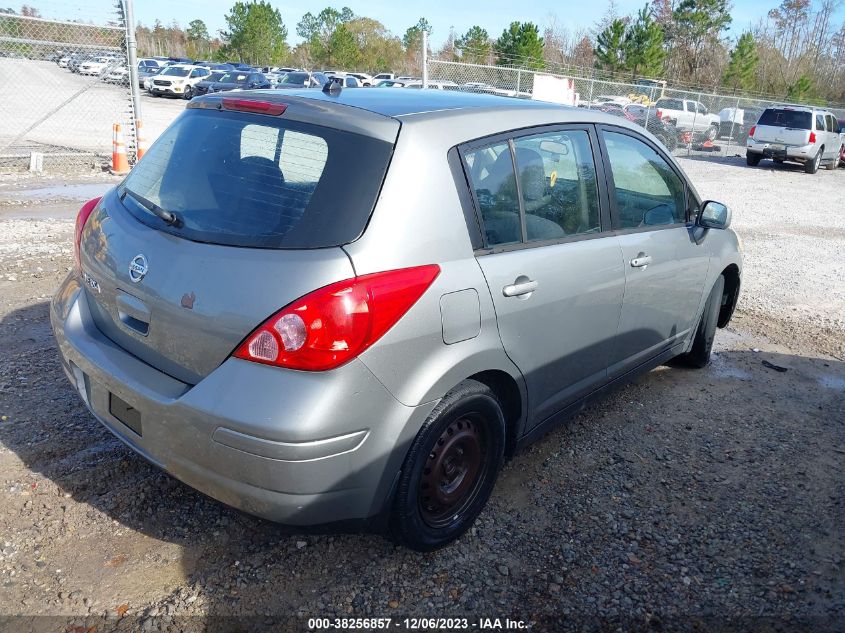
point(138, 268)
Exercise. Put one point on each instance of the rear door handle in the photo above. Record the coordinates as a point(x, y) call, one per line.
point(641, 261)
point(519, 289)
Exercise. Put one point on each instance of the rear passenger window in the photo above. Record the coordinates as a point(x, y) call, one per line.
point(648, 192)
point(557, 179)
point(820, 122)
point(492, 176)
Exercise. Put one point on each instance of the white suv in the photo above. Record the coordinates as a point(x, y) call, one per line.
point(178, 80)
point(801, 134)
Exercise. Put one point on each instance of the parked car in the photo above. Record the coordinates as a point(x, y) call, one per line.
point(201, 87)
point(178, 80)
point(842, 136)
point(237, 80)
point(215, 66)
point(117, 75)
point(301, 79)
point(365, 79)
point(803, 134)
point(737, 122)
point(147, 62)
point(425, 325)
point(643, 116)
point(96, 66)
point(145, 73)
point(433, 85)
point(346, 80)
point(383, 76)
point(63, 61)
point(390, 83)
point(688, 116)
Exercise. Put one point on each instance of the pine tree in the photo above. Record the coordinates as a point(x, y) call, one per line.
point(643, 46)
point(610, 47)
point(740, 73)
point(520, 44)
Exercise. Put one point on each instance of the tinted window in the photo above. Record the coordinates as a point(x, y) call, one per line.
point(670, 104)
point(820, 122)
point(648, 192)
point(246, 180)
point(557, 180)
point(834, 125)
point(778, 117)
point(492, 176)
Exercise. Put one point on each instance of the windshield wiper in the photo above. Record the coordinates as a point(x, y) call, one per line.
point(168, 217)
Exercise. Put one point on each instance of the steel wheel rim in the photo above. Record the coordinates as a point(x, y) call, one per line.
point(453, 471)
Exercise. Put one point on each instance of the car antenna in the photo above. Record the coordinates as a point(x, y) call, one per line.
point(333, 87)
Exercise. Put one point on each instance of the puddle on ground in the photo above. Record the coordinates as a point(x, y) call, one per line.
point(723, 369)
point(832, 382)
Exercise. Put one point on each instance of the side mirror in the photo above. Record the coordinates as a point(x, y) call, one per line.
point(714, 215)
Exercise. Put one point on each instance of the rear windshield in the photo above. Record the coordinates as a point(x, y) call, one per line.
point(254, 180)
point(295, 78)
point(787, 118)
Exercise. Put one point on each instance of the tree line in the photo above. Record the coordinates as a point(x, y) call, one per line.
point(795, 51)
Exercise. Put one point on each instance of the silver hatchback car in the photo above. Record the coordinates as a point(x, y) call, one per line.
point(321, 307)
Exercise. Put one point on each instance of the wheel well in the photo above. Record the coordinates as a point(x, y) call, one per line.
point(729, 295)
point(506, 389)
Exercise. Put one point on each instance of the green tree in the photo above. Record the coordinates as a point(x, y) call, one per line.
point(740, 73)
point(474, 45)
point(644, 52)
point(379, 49)
point(198, 39)
point(698, 27)
point(520, 44)
point(412, 40)
point(342, 50)
point(610, 47)
point(801, 90)
point(256, 33)
point(318, 29)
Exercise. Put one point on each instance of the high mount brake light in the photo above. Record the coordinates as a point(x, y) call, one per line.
point(334, 324)
point(81, 219)
point(256, 107)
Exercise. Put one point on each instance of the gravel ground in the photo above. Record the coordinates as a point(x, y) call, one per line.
point(690, 500)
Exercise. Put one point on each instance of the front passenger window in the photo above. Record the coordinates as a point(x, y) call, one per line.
point(648, 192)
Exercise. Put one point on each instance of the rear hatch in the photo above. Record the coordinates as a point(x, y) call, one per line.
point(260, 206)
point(784, 126)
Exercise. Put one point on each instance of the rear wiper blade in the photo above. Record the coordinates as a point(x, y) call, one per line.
point(168, 217)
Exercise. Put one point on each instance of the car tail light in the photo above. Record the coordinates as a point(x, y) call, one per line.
point(331, 326)
point(812, 137)
point(257, 107)
point(751, 131)
point(81, 219)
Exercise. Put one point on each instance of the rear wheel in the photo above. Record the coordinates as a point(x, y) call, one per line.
point(699, 354)
point(450, 469)
point(812, 166)
point(752, 159)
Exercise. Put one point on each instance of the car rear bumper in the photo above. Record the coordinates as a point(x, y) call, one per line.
point(300, 448)
point(784, 152)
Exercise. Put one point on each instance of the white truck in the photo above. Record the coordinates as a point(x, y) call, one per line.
point(688, 116)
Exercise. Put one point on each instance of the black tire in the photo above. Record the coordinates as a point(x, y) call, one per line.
point(188, 94)
point(468, 422)
point(812, 166)
point(702, 344)
point(778, 161)
point(752, 159)
point(155, 94)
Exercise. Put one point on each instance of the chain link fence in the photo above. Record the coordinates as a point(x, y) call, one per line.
point(688, 122)
point(66, 83)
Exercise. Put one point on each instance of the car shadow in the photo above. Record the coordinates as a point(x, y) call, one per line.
point(228, 566)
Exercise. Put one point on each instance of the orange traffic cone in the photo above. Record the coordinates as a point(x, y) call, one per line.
point(119, 161)
point(140, 139)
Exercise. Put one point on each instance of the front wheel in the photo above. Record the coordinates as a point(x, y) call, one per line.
point(702, 345)
point(189, 93)
point(834, 163)
point(450, 469)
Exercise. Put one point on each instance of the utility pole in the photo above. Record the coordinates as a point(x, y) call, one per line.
point(425, 59)
point(132, 60)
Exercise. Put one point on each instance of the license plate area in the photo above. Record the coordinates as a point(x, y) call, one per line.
point(125, 413)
